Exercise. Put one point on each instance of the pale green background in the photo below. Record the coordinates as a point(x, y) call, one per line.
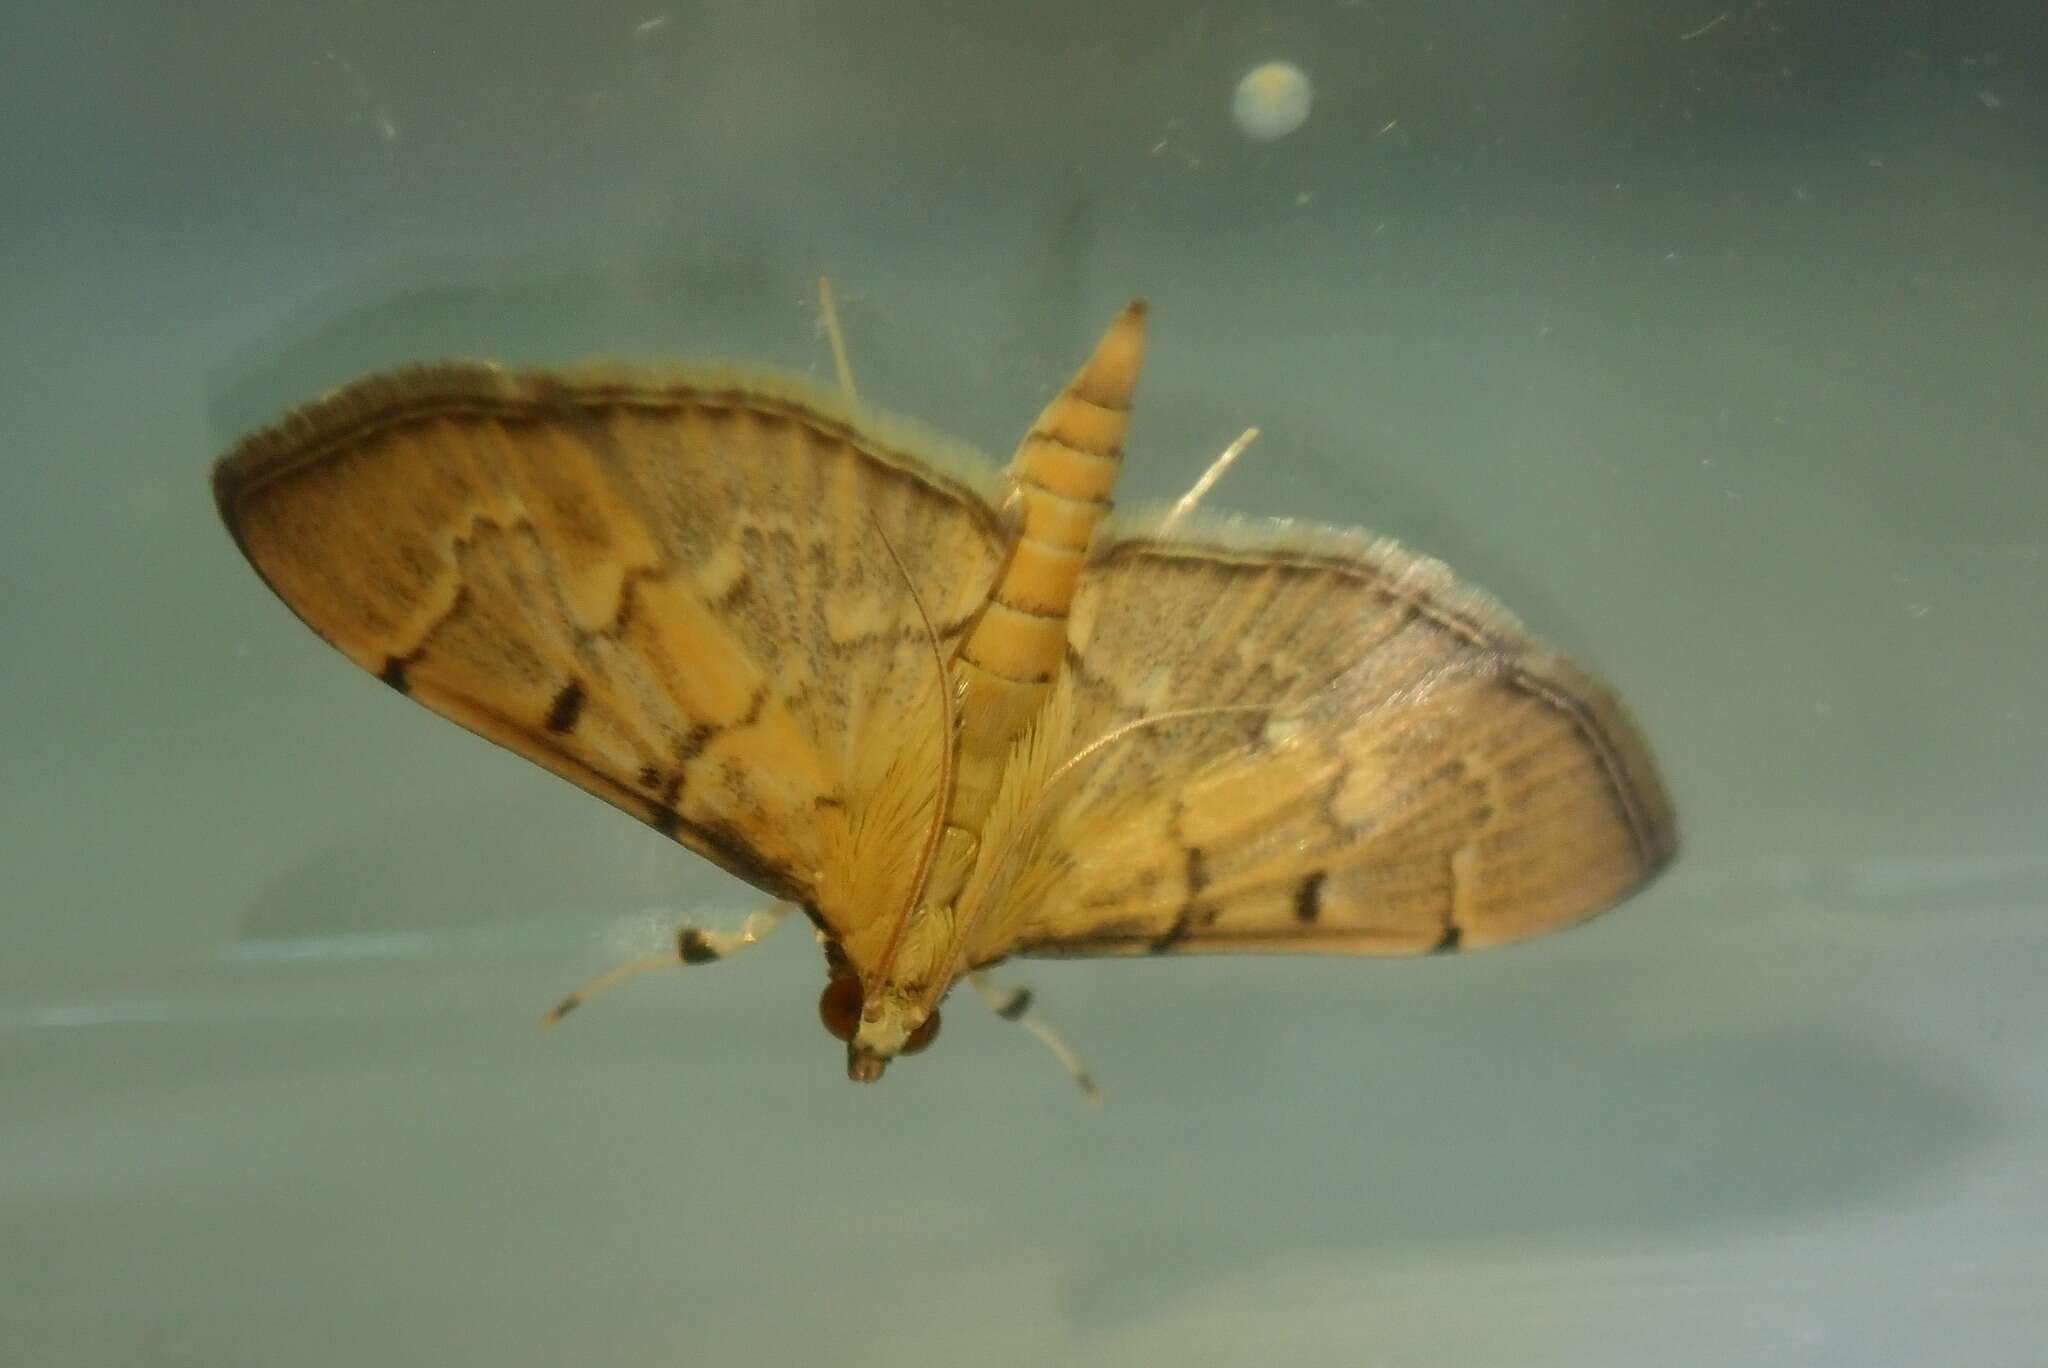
point(1718, 357)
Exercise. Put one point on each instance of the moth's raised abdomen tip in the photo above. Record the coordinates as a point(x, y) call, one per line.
point(1110, 377)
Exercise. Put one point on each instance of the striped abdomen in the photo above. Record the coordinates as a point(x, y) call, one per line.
point(1065, 472)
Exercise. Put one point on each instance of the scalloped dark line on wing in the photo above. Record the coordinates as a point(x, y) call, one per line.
point(1632, 781)
point(1307, 941)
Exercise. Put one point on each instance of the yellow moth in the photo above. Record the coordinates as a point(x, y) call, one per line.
point(952, 714)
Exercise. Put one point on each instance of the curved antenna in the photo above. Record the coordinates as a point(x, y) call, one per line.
point(964, 927)
point(942, 801)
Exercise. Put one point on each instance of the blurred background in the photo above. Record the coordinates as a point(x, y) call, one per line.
point(1708, 337)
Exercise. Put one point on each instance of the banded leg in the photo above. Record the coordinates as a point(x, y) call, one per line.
point(690, 946)
point(828, 319)
point(1209, 477)
point(1014, 1004)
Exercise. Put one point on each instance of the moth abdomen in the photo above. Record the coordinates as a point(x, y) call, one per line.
point(1064, 475)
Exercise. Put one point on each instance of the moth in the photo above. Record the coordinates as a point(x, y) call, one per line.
point(954, 715)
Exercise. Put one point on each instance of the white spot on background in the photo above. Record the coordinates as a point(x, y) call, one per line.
point(1271, 101)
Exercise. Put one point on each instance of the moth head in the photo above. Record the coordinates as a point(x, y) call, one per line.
point(876, 1027)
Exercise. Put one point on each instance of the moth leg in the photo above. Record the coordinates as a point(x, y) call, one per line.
point(1210, 476)
point(1014, 1004)
point(690, 945)
point(828, 319)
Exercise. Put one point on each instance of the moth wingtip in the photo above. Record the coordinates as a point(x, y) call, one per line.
point(228, 480)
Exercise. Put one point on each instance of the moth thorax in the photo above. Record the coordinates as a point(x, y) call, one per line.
point(894, 1026)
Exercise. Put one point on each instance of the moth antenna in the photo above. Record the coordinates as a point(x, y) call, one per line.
point(1014, 1005)
point(828, 314)
point(941, 803)
point(964, 927)
point(1209, 478)
point(688, 946)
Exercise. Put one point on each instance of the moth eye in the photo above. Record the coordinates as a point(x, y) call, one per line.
point(839, 1007)
point(924, 1035)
